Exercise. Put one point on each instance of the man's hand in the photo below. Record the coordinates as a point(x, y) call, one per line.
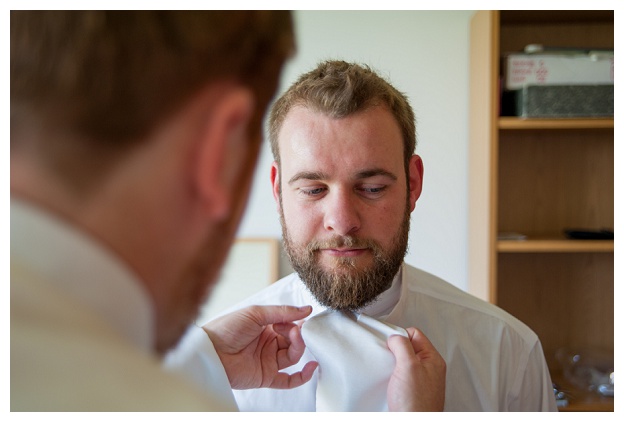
point(255, 343)
point(419, 378)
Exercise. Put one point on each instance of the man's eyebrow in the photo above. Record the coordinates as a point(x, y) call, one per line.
point(307, 175)
point(364, 174)
point(375, 172)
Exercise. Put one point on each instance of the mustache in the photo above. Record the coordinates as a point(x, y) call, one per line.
point(342, 242)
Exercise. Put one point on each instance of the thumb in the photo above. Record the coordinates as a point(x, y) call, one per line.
point(401, 347)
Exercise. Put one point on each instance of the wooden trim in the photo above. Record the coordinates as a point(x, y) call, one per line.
point(274, 248)
point(515, 123)
point(495, 92)
point(483, 102)
point(555, 245)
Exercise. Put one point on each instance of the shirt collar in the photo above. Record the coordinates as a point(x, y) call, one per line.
point(78, 265)
point(386, 301)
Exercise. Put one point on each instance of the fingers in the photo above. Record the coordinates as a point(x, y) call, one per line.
point(415, 343)
point(401, 347)
point(286, 381)
point(288, 347)
point(419, 377)
point(419, 341)
point(283, 333)
point(265, 315)
point(291, 348)
point(290, 344)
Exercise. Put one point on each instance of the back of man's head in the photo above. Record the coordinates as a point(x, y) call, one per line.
point(87, 86)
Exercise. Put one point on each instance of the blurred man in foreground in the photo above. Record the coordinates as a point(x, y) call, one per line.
point(134, 136)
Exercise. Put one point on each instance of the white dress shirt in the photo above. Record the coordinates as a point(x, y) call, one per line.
point(494, 361)
point(82, 328)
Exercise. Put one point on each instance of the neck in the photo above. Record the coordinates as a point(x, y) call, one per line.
point(127, 214)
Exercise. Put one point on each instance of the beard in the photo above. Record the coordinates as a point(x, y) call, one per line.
point(345, 286)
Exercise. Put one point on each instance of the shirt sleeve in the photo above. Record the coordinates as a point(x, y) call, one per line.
point(196, 360)
point(535, 391)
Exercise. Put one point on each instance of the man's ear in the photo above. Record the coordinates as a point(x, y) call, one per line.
point(275, 183)
point(222, 151)
point(416, 173)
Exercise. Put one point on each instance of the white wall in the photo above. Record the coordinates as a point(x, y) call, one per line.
point(425, 55)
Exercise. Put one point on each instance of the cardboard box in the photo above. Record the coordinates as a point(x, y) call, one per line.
point(560, 101)
point(557, 69)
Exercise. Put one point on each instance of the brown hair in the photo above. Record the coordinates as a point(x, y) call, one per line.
point(108, 78)
point(338, 89)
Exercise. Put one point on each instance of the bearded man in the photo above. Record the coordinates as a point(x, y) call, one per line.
point(345, 180)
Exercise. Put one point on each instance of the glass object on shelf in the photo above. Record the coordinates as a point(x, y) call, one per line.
point(588, 369)
point(561, 397)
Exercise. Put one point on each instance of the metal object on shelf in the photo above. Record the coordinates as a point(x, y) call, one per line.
point(561, 397)
point(588, 369)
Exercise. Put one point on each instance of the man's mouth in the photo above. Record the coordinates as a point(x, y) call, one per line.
point(344, 252)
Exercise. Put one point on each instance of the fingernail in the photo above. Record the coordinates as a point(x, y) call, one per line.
point(304, 308)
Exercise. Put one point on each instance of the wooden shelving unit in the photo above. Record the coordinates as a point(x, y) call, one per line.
point(539, 177)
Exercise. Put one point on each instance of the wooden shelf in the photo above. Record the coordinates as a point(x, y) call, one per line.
point(517, 123)
point(581, 401)
point(552, 245)
point(589, 405)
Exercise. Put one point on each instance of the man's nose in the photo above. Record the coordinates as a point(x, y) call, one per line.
point(342, 215)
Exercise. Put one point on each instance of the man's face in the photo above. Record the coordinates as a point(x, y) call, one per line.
point(345, 202)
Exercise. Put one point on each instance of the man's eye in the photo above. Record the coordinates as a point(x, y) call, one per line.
point(372, 191)
point(312, 192)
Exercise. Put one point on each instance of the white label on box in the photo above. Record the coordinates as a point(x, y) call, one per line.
point(538, 69)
